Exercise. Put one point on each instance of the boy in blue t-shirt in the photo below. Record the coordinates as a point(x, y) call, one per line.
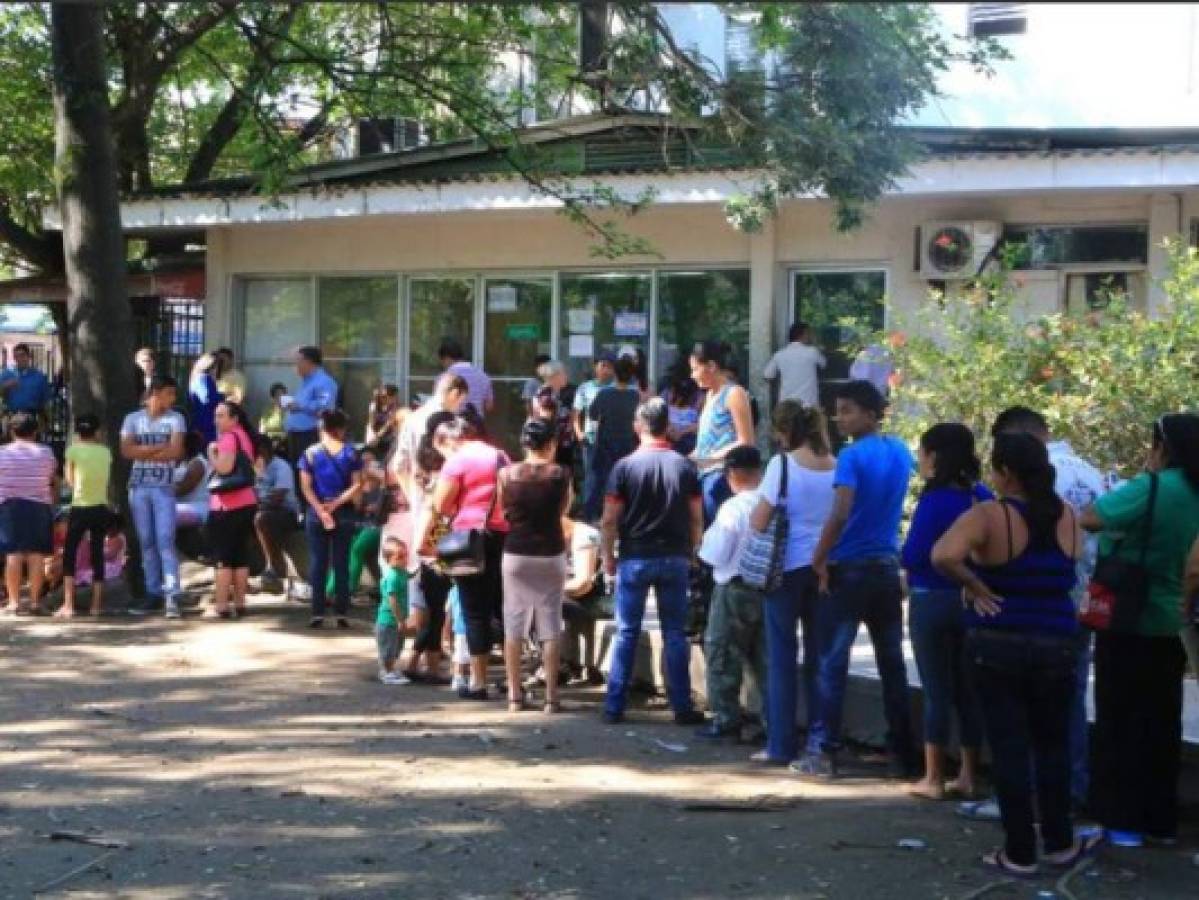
point(857, 565)
point(391, 622)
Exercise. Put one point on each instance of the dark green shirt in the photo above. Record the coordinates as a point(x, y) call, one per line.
point(1175, 526)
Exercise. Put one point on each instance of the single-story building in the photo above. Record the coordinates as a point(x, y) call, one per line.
point(377, 258)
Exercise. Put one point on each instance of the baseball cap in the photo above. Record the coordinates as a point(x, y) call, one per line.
point(606, 356)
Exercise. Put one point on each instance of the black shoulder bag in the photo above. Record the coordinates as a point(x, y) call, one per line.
point(462, 552)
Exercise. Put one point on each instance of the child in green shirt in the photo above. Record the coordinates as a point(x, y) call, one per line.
point(391, 623)
point(88, 464)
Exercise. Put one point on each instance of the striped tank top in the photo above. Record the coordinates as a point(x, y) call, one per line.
point(716, 428)
point(1035, 586)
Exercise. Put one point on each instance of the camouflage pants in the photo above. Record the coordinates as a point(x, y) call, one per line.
point(735, 639)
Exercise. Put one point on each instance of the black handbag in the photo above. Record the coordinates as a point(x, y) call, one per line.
point(1119, 590)
point(463, 552)
point(242, 475)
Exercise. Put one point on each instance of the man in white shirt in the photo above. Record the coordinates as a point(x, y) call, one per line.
point(797, 367)
point(736, 634)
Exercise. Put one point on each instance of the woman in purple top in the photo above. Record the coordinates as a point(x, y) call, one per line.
point(951, 471)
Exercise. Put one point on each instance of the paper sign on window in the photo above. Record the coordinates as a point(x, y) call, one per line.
point(581, 346)
point(580, 321)
point(630, 324)
point(501, 298)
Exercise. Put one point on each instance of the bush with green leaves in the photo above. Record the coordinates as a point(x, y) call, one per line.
point(1100, 379)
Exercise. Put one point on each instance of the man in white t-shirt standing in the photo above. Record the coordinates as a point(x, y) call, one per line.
point(797, 368)
point(152, 439)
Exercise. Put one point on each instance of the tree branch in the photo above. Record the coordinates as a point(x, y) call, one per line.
point(40, 249)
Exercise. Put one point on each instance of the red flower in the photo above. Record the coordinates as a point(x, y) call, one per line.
point(897, 339)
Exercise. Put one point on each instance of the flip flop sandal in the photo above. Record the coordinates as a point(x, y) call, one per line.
point(1086, 846)
point(997, 859)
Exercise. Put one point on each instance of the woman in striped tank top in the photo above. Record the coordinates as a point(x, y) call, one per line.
point(1015, 559)
point(725, 422)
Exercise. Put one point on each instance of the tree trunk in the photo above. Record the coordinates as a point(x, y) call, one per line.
point(99, 323)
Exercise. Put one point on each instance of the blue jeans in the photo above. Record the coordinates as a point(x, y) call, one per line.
point(866, 591)
point(668, 577)
point(1080, 746)
point(325, 549)
point(938, 636)
point(593, 486)
point(153, 511)
point(792, 604)
point(715, 488)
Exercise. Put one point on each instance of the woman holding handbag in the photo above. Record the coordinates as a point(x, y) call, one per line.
point(798, 484)
point(1148, 525)
point(330, 479)
point(467, 493)
point(232, 507)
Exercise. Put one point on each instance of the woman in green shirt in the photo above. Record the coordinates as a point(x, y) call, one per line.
point(1138, 676)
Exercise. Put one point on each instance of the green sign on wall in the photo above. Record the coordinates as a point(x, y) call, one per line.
point(523, 331)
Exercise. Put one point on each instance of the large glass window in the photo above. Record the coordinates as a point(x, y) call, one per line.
point(695, 306)
point(517, 320)
point(439, 308)
point(602, 311)
point(835, 304)
point(357, 328)
point(277, 318)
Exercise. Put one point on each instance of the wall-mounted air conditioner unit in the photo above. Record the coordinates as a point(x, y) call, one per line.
point(953, 251)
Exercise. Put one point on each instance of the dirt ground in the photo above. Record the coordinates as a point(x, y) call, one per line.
point(260, 759)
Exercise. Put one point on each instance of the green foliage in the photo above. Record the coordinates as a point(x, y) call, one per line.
point(1100, 380)
point(212, 88)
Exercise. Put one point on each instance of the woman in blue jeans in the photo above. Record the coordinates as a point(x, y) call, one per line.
point(950, 468)
point(807, 500)
point(330, 479)
point(725, 422)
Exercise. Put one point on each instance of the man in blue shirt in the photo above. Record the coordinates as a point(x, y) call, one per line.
point(318, 392)
point(25, 388)
point(857, 564)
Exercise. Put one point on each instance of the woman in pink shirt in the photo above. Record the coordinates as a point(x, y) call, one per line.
point(467, 493)
point(231, 519)
point(28, 481)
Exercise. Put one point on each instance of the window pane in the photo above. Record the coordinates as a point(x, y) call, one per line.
point(834, 303)
point(278, 317)
point(358, 316)
point(595, 299)
point(695, 306)
point(357, 380)
point(440, 308)
point(1093, 291)
point(1042, 247)
point(518, 325)
point(260, 377)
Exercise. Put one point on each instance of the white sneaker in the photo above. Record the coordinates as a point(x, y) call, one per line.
point(394, 678)
point(171, 609)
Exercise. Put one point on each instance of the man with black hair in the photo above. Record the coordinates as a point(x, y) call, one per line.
point(152, 439)
point(735, 638)
point(25, 388)
point(613, 438)
point(653, 504)
point(317, 393)
point(857, 565)
point(797, 367)
point(453, 360)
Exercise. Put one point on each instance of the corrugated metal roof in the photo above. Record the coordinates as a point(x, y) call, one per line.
point(599, 146)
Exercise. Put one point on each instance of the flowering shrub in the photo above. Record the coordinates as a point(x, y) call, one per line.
point(1100, 380)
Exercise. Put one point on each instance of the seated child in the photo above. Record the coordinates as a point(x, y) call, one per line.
point(392, 624)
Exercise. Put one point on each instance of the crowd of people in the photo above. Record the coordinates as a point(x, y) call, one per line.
point(1012, 578)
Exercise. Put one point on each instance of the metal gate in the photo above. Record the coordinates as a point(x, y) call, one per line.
point(173, 329)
